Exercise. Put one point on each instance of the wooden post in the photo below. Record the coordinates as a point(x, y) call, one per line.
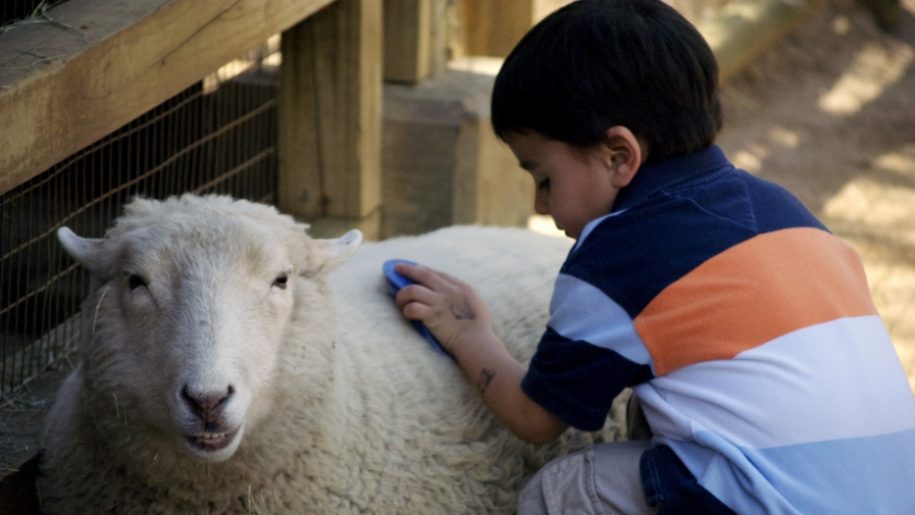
point(330, 117)
point(442, 163)
point(743, 29)
point(406, 40)
point(494, 27)
point(439, 29)
point(415, 38)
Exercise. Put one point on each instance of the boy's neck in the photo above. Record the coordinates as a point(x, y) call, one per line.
point(654, 176)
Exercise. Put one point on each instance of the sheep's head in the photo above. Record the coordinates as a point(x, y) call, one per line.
point(195, 295)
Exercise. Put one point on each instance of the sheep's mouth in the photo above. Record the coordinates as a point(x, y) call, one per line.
point(211, 442)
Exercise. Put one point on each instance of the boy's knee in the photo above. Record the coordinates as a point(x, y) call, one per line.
point(603, 479)
point(531, 501)
point(564, 485)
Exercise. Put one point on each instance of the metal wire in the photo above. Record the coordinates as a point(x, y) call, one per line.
point(218, 139)
point(12, 11)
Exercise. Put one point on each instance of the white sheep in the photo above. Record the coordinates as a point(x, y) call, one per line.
point(225, 369)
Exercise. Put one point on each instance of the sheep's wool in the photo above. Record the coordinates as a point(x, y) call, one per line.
point(339, 406)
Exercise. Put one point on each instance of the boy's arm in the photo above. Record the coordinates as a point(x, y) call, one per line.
point(497, 375)
point(461, 323)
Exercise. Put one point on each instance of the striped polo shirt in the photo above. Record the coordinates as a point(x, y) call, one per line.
point(746, 330)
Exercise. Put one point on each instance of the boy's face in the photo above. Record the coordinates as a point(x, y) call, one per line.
point(572, 185)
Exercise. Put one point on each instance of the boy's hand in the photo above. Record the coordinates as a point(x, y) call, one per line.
point(449, 307)
point(461, 323)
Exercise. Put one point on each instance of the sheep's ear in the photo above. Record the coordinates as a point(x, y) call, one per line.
point(91, 253)
point(325, 255)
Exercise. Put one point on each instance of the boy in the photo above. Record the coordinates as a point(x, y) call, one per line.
point(744, 327)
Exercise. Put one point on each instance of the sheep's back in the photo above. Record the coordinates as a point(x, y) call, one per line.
point(435, 439)
point(512, 269)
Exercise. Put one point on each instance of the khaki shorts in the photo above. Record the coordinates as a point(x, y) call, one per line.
point(602, 479)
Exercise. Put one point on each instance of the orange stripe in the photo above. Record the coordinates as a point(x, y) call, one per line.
point(763, 288)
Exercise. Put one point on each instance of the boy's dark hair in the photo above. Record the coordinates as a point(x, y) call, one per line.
point(594, 64)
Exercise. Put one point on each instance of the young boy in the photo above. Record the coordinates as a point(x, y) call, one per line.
point(744, 327)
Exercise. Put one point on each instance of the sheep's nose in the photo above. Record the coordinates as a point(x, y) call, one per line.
point(206, 405)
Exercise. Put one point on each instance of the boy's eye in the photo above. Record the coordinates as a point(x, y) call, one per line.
point(544, 184)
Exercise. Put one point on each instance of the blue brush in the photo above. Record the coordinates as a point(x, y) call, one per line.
point(395, 283)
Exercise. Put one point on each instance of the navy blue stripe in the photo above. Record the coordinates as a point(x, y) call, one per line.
point(577, 381)
point(672, 489)
point(655, 176)
point(790, 212)
point(633, 255)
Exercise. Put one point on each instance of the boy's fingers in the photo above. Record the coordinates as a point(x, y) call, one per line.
point(430, 275)
point(416, 311)
point(421, 274)
point(413, 293)
point(451, 279)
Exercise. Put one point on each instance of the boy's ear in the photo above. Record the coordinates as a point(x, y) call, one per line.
point(623, 155)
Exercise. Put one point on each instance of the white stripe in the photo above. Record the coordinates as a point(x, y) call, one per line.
point(580, 311)
point(859, 475)
point(840, 379)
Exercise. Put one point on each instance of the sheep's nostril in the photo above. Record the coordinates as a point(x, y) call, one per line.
point(206, 405)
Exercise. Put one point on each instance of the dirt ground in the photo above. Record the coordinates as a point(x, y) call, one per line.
point(829, 113)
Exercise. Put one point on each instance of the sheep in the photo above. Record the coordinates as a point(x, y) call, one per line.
point(229, 363)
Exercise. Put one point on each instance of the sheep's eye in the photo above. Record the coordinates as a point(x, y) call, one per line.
point(281, 281)
point(135, 281)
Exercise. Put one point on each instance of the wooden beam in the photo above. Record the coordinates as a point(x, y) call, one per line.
point(743, 29)
point(493, 28)
point(407, 40)
point(330, 113)
point(439, 30)
point(101, 63)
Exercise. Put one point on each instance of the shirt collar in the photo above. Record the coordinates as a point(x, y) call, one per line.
point(653, 177)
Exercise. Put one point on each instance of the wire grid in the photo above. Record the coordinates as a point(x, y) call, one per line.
point(218, 142)
point(15, 10)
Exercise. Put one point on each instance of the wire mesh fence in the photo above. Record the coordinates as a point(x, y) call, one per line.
point(12, 11)
point(214, 137)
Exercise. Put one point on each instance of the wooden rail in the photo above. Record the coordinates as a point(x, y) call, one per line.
point(746, 28)
point(94, 65)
